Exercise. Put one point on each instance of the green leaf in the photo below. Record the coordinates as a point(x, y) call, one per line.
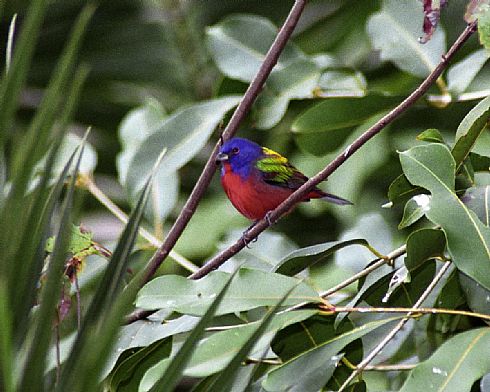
point(484, 27)
point(480, 163)
point(225, 379)
point(333, 114)
point(461, 74)
point(469, 130)
point(431, 135)
point(478, 200)
point(239, 44)
point(183, 134)
point(455, 366)
point(468, 239)
point(395, 30)
point(297, 80)
point(310, 370)
point(341, 83)
point(145, 333)
point(173, 373)
point(422, 245)
point(414, 210)
point(128, 374)
point(401, 190)
point(193, 297)
point(301, 259)
point(215, 352)
point(477, 297)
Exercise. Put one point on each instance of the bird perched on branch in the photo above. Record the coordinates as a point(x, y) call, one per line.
point(257, 179)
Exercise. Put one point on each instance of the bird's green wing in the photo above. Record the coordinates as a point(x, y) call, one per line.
point(276, 170)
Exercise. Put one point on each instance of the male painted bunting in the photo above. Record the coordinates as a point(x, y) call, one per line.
point(257, 179)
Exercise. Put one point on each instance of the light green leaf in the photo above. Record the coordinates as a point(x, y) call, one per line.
point(144, 333)
point(422, 245)
point(193, 297)
point(431, 135)
point(301, 259)
point(297, 80)
point(395, 30)
point(455, 366)
point(239, 44)
point(469, 130)
point(461, 74)
point(183, 135)
point(135, 127)
point(484, 27)
point(468, 239)
point(414, 210)
point(213, 353)
point(308, 371)
point(341, 83)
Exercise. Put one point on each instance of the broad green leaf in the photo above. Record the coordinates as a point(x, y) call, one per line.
point(478, 200)
point(333, 114)
point(225, 379)
point(422, 245)
point(135, 127)
point(395, 31)
point(341, 83)
point(455, 366)
point(263, 254)
point(214, 353)
point(301, 259)
point(414, 210)
point(469, 130)
point(401, 190)
point(461, 74)
point(144, 333)
point(480, 163)
point(310, 370)
point(431, 135)
point(484, 27)
point(297, 80)
point(174, 371)
point(239, 43)
point(468, 239)
point(127, 376)
point(477, 297)
point(183, 134)
point(193, 297)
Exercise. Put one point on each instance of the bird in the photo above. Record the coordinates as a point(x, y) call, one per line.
point(257, 179)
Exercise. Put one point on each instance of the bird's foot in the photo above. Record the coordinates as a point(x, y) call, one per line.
point(245, 238)
point(268, 218)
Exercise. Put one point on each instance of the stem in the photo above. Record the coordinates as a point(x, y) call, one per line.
point(298, 195)
point(344, 309)
point(240, 112)
point(397, 328)
point(390, 368)
point(89, 184)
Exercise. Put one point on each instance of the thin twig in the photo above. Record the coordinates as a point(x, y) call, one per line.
point(360, 367)
point(390, 368)
point(79, 305)
point(89, 184)
point(345, 309)
point(241, 111)
point(298, 195)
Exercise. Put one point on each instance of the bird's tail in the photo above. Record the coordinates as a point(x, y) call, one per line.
point(336, 200)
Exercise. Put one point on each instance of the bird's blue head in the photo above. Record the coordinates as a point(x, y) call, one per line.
point(241, 154)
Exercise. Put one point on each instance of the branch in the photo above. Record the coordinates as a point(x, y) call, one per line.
point(397, 328)
point(338, 161)
point(241, 111)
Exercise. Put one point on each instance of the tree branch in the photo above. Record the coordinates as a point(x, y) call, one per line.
point(241, 111)
point(338, 161)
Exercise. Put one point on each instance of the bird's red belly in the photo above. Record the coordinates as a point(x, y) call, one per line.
point(253, 198)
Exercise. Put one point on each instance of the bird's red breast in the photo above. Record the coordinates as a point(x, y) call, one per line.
point(252, 196)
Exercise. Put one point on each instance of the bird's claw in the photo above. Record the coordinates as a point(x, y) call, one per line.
point(268, 218)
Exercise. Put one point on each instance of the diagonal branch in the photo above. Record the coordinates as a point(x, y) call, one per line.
point(241, 111)
point(338, 161)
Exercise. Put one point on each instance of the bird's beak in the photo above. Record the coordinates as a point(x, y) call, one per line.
point(221, 157)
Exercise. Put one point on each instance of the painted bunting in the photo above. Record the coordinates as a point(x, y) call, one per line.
point(257, 179)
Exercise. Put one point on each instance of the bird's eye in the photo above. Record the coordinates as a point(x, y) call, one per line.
point(235, 150)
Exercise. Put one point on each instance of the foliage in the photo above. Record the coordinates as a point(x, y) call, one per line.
point(300, 309)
